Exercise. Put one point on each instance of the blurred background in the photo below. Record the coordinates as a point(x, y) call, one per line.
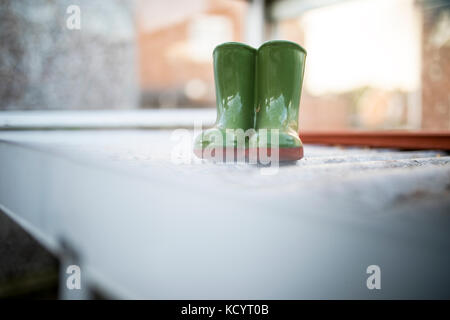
point(372, 64)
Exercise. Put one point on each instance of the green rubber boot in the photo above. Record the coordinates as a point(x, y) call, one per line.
point(280, 67)
point(234, 74)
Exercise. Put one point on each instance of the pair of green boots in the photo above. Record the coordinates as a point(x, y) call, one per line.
point(257, 93)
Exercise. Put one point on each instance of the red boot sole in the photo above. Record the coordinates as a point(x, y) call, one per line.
point(284, 154)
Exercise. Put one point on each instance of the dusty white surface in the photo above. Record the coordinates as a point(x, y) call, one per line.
point(148, 228)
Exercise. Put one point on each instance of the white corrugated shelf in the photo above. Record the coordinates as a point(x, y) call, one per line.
point(145, 227)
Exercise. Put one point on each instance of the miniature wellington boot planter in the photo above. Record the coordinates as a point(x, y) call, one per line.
point(257, 93)
point(279, 77)
point(234, 72)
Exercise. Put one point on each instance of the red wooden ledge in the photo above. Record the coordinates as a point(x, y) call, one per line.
point(407, 140)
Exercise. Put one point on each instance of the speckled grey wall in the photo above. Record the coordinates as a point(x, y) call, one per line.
point(45, 65)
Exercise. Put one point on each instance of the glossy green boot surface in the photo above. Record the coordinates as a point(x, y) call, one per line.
point(234, 72)
point(256, 89)
point(280, 67)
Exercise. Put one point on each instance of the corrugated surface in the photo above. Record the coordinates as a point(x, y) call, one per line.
point(147, 226)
